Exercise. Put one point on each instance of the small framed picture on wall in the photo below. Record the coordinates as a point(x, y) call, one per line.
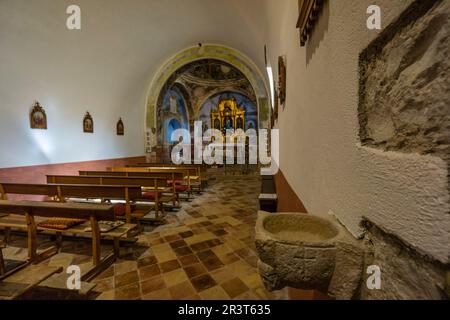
point(38, 118)
point(88, 123)
point(120, 128)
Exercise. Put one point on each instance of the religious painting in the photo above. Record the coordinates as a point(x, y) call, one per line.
point(88, 123)
point(228, 116)
point(38, 118)
point(282, 80)
point(120, 128)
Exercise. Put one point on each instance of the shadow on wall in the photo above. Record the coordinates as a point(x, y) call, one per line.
point(318, 34)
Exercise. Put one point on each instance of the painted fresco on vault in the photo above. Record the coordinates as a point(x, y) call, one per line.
point(173, 114)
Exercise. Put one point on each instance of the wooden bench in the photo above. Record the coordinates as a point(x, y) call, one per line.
point(92, 213)
point(201, 169)
point(62, 192)
point(178, 177)
point(155, 189)
point(190, 178)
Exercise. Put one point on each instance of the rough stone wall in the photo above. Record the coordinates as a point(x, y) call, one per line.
point(405, 84)
point(405, 274)
point(405, 107)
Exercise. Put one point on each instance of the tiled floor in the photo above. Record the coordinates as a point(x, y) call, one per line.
point(205, 251)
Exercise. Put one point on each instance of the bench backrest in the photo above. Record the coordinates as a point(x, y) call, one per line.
point(62, 191)
point(138, 174)
point(201, 168)
point(62, 210)
point(186, 172)
point(155, 182)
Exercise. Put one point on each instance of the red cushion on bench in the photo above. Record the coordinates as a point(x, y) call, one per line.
point(120, 210)
point(181, 188)
point(151, 195)
point(177, 182)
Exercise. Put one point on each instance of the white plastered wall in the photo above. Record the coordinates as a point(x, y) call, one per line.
point(106, 68)
point(405, 194)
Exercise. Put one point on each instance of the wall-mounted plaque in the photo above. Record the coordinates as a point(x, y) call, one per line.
point(38, 118)
point(88, 123)
point(120, 128)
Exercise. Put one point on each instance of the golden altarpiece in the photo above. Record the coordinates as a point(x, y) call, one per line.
point(228, 116)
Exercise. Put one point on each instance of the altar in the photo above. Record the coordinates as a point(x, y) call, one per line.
point(228, 116)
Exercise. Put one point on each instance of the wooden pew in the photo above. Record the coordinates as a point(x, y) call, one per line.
point(190, 179)
point(93, 213)
point(63, 192)
point(197, 172)
point(169, 176)
point(156, 189)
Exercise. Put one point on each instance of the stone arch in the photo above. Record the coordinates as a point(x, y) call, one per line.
point(209, 51)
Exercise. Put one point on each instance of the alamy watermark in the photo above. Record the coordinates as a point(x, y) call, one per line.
point(235, 147)
point(374, 280)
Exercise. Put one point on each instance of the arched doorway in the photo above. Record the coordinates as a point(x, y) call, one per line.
point(199, 74)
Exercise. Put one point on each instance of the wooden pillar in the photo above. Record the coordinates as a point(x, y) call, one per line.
point(127, 206)
point(96, 250)
point(32, 237)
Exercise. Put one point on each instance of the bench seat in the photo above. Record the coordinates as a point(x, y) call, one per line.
point(17, 222)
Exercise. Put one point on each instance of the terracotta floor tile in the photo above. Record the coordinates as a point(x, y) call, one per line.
point(229, 258)
point(195, 270)
point(215, 293)
point(149, 272)
point(203, 282)
point(147, 261)
point(188, 260)
point(126, 279)
point(205, 255)
point(184, 251)
point(178, 244)
point(104, 285)
point(220, 232)
point(252, 281)
point(124, 267)
point(182, 290)
point(223, 275)
point(175, 277)
point(162, 294)
point(213, 264)
point(234, 287)
point(131, 292)
point(154, 284)
point(170, 266)
point(199, 246)
point(165, 256)
point(186, 234)
point(172, 238)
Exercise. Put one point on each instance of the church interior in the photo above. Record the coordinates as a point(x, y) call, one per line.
point(224, 150)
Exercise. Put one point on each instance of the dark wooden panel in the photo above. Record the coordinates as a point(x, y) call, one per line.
point(30, 189)
point(54, 209)
point(109, 192)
